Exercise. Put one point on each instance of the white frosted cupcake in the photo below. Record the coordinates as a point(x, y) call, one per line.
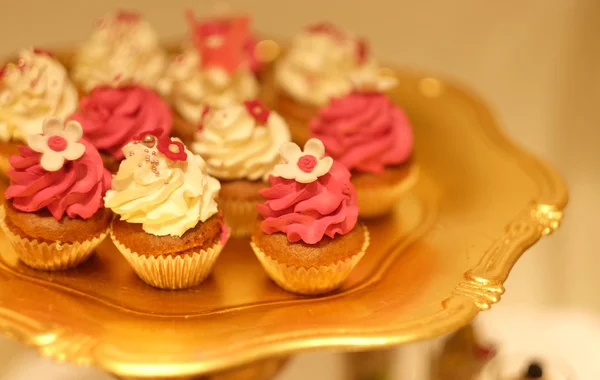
point(214, 72)
point(122, 48)
point(240, 144)
point(33, 88)
point(317, 67)
point(169, 228)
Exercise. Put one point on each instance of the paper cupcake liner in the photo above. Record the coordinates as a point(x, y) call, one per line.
point(171, 271)
point(239, 216)
point(4, 164)
point(310, 281)
point(377, 201)
point(50, 256)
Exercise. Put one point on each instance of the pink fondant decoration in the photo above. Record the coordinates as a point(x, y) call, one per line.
point(307, 163)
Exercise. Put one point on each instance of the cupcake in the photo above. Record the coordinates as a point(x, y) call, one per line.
point(123, 47)
point(372, 137)
point(168, 225)
point(316, 68)
point(33, 88)
point(214, 72)
point(240, 144)
point(53, 214)
point(112, 116)
point(307, 238)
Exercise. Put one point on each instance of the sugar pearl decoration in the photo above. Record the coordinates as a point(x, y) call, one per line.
point(149, 141)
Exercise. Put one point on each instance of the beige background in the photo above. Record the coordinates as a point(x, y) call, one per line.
point(536, 62)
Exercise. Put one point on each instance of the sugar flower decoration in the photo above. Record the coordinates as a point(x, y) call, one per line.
point(303, 166)
point(173, 149)
point(57, 143)
point(259, 112)
point(372, 80)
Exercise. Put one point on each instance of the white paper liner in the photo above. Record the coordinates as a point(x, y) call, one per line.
point(50, 256)
point(311, 281)
point(172, 271)
point(377, 201)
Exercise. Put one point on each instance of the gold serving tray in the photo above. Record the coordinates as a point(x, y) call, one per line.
point(432, 266)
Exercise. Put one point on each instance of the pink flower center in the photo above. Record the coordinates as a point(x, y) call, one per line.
point(57, 143)
point(307, 163)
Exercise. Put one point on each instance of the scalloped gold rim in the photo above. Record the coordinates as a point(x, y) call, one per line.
point(481, 287)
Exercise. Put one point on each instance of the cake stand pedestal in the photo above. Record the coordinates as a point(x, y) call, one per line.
point(439, 259)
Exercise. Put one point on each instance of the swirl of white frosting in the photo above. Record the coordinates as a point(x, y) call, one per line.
point(30, 91)
point(120, 52)
point(236, 146)
point(171, 202)
point(189, 87)
point(318, 66)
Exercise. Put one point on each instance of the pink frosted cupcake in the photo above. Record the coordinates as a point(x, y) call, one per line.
point(112, 116)
point(308, 240)
point(53, 214)
point(372, 137)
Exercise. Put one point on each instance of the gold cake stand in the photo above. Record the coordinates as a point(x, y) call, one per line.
point(437, 261)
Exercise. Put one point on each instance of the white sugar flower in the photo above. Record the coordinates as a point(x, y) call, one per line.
point(57, 143)
point(303, 166)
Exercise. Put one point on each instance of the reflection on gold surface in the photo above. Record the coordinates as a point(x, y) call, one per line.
point(434, 263)
point(431, 87)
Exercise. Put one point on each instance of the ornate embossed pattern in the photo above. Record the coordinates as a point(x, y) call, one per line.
point(418, 279)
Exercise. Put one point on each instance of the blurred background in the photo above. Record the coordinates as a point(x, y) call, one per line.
point(535, 62)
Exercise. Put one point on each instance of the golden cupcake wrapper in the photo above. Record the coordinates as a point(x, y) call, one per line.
point(239, 216)
point(50, 256)
point(171, 271)
point(311, 281)
point(377, 201)
point(4, 164)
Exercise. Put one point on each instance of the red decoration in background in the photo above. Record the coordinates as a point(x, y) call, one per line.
point(485, 352)
point(362, 51)
point(258, 110)
point(223, 43)
point(327, 28)
point(39, 51)
point(3, 71)
point(204, 112)
point(173, 150)
point(127, 16)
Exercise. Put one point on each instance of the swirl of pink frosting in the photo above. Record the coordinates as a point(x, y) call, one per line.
point(309, 211)
point(111, 117)
point(364, 131)
point(77, 189)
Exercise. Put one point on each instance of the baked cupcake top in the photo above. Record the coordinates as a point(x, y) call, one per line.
point(241, 141)
point(111, 117)
point(310, 197)
point(214, 72)
point(364, 130)
point(58, 171)
point(163, 186)
point(123, 49)
point(33, 88)
point(319, 63)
